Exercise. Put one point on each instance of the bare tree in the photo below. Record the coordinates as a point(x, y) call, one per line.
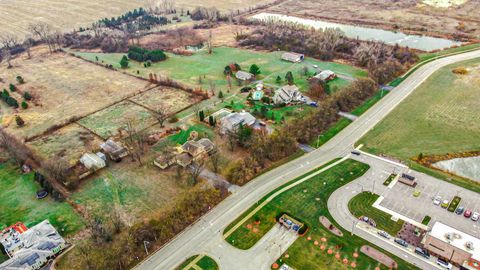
point(212, 85)
point(27, 44)
point(7, 56)
point(232, 138)
point(44, 32)
point(136, 140)
point(96, 28)
point(168, 6)
point(229, 82)
point(215, 160)
point(161, 115)
point(209, 42)
point(58, 169)
point(196, 110)
point(196, 168)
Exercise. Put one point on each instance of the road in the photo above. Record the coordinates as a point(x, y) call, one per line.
point(207, 231)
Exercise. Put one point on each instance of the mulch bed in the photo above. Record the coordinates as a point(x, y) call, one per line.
point(325, 222)
point(379, 256)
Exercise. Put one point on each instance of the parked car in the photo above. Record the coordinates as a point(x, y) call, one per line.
point(437, 200)
point(460, 210)
point(401, 242)
point(445, 203)
point(384, 234)
point(467, 213)
point(422, 252)
point(475, 216)
point(444, 264)
point(355, 152)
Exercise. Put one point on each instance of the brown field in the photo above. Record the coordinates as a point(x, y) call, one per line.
point(404, 14)
point(63, 87)
point(169, 99)
point(67, 15)
point(78, 139)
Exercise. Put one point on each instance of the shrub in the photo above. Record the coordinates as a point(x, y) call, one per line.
point(173, 119)
point(27, 96)
point(24, 105)
point(19, 121)
point(142, 55)
point(20, 79)
point(12, 88)
point(124, 62)
point(460, 71)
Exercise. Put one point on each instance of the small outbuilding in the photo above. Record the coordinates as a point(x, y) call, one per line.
point(92, 161)
point(293, 57)
point(326, 75)
point(243, 75)
point(115, 150)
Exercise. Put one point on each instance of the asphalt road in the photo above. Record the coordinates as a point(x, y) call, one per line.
point(207, 231)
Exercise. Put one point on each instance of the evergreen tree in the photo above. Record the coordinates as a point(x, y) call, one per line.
point(24, 105)
point(254, 69)
point(27, 96)
point(278, 80)
point(124, 62)
point(201, 116)
point(12, 88)
point(289, 77)
point(211, 121)
point(220, 95)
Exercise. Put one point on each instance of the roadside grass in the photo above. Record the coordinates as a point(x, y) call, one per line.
point(369, 103)
point(301, 202)
point(426, 220)
point(454, 204)
point(389, 179)
point(331, 132)
point(434, 120)
point(428, 56)
point(361, 205)
point(186, 262)
point(202, 69)
point(18, 203)
point(205, 263)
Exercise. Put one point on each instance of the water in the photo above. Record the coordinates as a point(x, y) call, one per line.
point(423, 43)
point(466, 167)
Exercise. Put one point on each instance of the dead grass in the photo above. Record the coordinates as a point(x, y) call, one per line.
point(224, 35)
point(64, 87)
point(169, 99)
point(78, 139)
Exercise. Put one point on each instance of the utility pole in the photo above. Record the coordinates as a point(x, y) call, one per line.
point(145, 243)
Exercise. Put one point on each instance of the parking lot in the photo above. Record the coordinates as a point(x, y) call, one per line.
point(400, 199)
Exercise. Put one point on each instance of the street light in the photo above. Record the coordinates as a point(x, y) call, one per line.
point(318, 140)
point(145, 243)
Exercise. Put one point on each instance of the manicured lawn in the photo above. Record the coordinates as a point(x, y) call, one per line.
point(205, 263)
point(361, 205)
point(182, 136)
point(331, 132)
point(454, 203)
point(19, 204)
point(438, 118)
point(202, 68)
point(308, 201)
point(389, 179)
point(426, 220)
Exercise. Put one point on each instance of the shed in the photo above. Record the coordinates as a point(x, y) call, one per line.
point(243, 75)
point(114, 150)
point(293, 57)
point(326, 75)
point(92, 161)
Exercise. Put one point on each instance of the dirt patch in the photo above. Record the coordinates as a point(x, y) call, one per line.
point(379, 256)
point(224, 35)
point(167, 99)
point(327, 224)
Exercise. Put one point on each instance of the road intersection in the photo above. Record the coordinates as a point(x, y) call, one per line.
point(206, 235)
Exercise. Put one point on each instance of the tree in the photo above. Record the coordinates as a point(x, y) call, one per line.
point(229, 82)
point(124, 62)
point(289, 78)
point(44, 31)
point(24, 105)
point(278, 80)
point(12, 88)
point(215, 160)
point(136, 140)
point(196, 168)
point(19, 121)
point(220, 95)
point(317, 88)
point(161, 116)
point(255, 70)
point(212, 121)
point(20, 80)
point(27, 96)
point(201, 116)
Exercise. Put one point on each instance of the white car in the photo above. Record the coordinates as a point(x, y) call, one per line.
point(437, 200)
point(475, 216)
point(384, 234)
point(444, 264)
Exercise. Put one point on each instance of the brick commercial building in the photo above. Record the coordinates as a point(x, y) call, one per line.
point(459, 248)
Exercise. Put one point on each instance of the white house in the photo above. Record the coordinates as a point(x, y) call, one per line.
point(326, 75)
point(243, 75)
point(287, 94)
point(232, 121)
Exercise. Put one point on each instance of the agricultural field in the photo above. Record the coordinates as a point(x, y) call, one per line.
point(166, 99)
point(18, 14)
point(53, 145)
point(107, 122)
point(63, 88)
point(437, 119)
point(18, 203)
point(203, 69)
point(307, 202)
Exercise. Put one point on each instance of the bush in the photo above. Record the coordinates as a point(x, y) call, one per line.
point(144, 55)
point(124, 62)
point(20, 80)
point(27, 96)
point(173, 119)
point(12, 88)
point(460, 71)
point(24, 105)
point(19, 121)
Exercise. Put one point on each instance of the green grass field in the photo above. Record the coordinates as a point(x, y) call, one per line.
point(19, 204)
point(205, 263)
point(361, 205)
point(182, 136)
point(202, 68)
point(301, 202)
point(440, 117)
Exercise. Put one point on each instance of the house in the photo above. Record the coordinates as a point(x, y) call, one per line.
point(219, 114)
point(92, 161)
point(293, 57)
point(243, 75)
point(287, 94)
point(30, 248)
point(187, 153)
point(326, 75)
point(459, 248)
point(115, 150)
point(232, 121)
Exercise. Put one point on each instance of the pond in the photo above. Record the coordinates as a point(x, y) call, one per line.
point(423, 43)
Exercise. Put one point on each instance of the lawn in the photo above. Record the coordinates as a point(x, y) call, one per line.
point(308, 201)
point(361, 205)
point(166, 99)
point(182, 136)
point(205, 263)
point(389, 179)
point(438, 118)
point(203, 69)
point(19, 204)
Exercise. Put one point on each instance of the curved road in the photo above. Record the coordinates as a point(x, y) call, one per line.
point(208, 230)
